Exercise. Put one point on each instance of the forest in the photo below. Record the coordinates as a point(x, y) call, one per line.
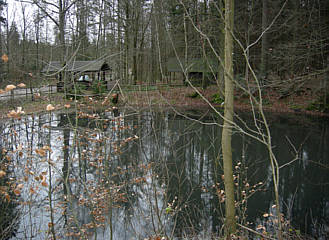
point(285, 41)
point(164, 119)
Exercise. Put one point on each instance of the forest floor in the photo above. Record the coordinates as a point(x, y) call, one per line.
point(178, 97)
point(185, 97)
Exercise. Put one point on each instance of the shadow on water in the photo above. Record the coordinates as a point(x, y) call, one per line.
point(9, 217)
point(133, 176)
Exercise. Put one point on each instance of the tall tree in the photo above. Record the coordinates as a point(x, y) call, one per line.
point(159, 51)
point(13, 48)
point(82, 27)
point(37, 32)
point(24, 35)
point(263, 62)
point(230, 222)
point(2, 21)
point(2, 4)
point(60, 8)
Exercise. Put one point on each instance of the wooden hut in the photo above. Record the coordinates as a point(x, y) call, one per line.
point(84, 72)
point(195, 68)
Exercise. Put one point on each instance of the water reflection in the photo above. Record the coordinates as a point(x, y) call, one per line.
point(8, 205)
point(132, 176)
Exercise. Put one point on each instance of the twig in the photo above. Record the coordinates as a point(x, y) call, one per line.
point(255, 232)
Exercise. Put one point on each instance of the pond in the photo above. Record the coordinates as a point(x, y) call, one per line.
point(149, 174)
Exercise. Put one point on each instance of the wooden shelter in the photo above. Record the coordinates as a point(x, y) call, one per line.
point(85, 72)
point(195, 68)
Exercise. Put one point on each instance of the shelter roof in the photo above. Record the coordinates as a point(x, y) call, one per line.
point(76, 66)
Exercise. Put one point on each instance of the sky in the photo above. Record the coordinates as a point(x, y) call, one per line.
point(15, 10)
point(15, 14)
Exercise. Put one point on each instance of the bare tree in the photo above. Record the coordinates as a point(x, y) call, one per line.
point(264, 50)
point(230, 222)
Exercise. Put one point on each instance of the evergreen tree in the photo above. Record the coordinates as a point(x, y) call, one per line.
point(2, 4)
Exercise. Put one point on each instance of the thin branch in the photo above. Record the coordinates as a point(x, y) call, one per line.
point(269, 27)
point(255, 232)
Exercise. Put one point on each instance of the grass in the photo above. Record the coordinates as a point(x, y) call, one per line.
point(29, 106)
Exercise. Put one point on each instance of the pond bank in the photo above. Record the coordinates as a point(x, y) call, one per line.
point(178, 97)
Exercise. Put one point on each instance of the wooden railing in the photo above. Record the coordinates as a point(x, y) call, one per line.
point(28, 92)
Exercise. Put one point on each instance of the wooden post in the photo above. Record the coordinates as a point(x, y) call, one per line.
point(12, 96)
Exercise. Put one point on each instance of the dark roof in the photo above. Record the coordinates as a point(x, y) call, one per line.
point(77, 66)
point(193, 65)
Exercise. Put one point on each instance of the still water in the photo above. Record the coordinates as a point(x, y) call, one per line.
point(129, 175)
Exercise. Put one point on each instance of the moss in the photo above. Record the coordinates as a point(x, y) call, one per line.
point(321, 104)
point(296, 107)
point(193, 95)
point(217, 99)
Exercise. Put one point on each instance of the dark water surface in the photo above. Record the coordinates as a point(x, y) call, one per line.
point(140, 175)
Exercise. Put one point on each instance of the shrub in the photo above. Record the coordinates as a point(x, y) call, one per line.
point(217, 99)
point(98, 87)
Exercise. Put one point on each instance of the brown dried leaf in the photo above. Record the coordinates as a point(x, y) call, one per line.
point(7, 197)
point(32, 191)
point(44, 183)
point(50, 107)
point(10, 87)
point(5, 58)
point(2, 173)
point(47, 148)
point(17, 192)
point(21, 85)
point(40, 152)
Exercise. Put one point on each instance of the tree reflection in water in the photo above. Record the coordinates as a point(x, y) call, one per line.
point(9, 213)
point(133, 176)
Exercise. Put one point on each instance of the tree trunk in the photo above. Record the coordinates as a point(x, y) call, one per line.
point(154, 51)
point(221, 72)
point(82, 23)
point(8, 45)
point(127, 70)
point(230, 222)
point(203, 41)
point(61, 27)
point(263, 61)
point(325, 83)
point(185, 75)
